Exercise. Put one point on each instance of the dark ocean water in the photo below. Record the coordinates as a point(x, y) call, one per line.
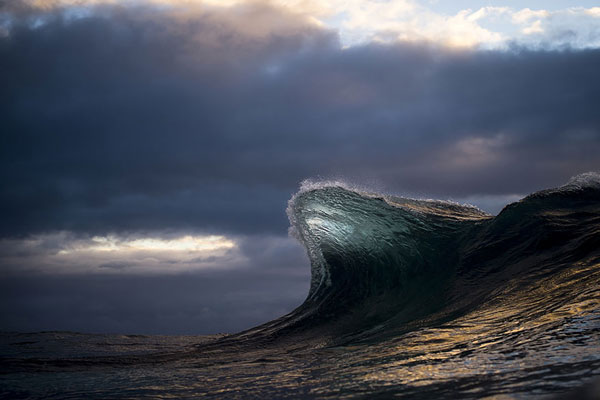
point(409, 298)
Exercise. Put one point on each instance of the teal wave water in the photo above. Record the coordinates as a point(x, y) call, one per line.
point(408, 298)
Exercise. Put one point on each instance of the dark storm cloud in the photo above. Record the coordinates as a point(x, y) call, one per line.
point(128, 119)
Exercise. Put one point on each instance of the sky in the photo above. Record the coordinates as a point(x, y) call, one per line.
point(149, 148)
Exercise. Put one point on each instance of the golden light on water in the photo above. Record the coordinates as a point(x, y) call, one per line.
point(483, 341)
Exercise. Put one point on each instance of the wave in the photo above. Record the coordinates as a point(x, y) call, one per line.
point(383, 264)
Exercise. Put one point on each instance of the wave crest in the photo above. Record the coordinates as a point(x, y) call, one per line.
point(381, 263)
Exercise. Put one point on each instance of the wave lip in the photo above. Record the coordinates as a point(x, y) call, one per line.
point(587, 180)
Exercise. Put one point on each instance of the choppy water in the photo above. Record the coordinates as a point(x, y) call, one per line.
point(409, 298)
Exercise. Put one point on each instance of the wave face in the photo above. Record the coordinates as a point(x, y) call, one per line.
point(379, 262)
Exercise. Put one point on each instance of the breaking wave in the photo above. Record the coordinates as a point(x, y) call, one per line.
point(382, 265)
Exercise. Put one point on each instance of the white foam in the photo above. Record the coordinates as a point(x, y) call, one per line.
point(583, 181)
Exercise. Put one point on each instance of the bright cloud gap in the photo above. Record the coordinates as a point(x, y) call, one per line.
point(359, 22)
point(184, 243)
point(65, 252)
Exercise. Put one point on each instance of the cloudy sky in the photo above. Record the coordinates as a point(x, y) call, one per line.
point(148, 148)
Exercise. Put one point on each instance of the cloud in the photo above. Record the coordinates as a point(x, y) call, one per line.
point(575, 27)
point(137, 119)
point(360, 21)
point(525, 15)
point(65, 253)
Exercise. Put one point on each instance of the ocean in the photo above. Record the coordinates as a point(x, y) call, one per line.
point(418, 299)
